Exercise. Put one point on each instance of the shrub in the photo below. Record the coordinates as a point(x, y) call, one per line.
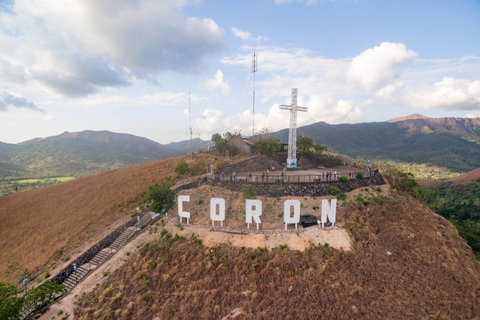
point(359, 175)
point(335, 191)
point(344, 179)
point(342, 196)
point(249, 191)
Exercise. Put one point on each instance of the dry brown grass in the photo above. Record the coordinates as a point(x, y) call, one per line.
point(35, 225)
point(465, 178)
point(430, 274)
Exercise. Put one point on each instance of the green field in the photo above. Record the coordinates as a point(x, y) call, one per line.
point(11, 186)
point(59, 179)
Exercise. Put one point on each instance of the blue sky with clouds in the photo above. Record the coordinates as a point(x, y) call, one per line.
point(129, 66)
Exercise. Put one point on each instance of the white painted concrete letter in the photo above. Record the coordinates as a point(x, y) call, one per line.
point(253, 213)
point(181, 213)
point(296, 212)
point(329, 211)
point(213, 210)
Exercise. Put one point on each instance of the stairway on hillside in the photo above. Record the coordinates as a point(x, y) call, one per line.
point(124, 238)
point(103, 255)
point(78, 275)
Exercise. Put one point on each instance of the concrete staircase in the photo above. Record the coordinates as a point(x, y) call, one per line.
point(103, 255)
point(124, 238)
point(78, 275)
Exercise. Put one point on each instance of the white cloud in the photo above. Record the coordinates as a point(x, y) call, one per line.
point(162, 99)
point(218, 84)
point(241, 34)
point(376, 67)
point(449, 93)
point(77, 47)
point(9, 100)
point(307, 2)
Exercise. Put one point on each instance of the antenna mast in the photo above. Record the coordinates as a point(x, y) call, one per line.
point(254, 70)
point(190, 118)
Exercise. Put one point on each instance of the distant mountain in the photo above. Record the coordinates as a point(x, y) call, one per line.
point(80, 153)
point(447, 142)
point(197, 145)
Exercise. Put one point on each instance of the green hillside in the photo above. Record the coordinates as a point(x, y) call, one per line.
point(398, 141)
point(460, 204)
point(76, 155)
point(197, 145)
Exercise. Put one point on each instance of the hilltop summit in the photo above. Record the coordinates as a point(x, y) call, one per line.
point(410, 117)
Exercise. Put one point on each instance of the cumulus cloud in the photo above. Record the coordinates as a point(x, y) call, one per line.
point(76, 47)
point(241, 34)
point(163, 99)
point(378, 66)
point(218, 85)
point(18, 102)
point(307, 2)
point(449, 93)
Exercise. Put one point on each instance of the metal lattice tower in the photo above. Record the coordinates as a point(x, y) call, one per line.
point(292, 132)
point(191, 132)
point(254, 70)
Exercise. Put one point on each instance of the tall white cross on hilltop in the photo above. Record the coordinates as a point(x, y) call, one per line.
point(292, 133)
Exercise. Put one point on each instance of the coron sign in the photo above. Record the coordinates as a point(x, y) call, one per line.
point(253, 211)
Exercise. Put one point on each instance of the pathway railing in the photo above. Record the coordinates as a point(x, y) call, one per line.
point(293, 178)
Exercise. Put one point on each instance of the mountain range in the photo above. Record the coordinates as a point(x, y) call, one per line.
point(453, 143)
point(78, 154)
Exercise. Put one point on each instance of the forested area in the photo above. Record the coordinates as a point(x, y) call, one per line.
point(460, 204)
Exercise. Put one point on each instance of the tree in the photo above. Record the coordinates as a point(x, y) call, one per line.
point(268, 144)
point(44, 294)
point(161, 197)
point(306, 146)
point(182, 169)
point(225, 143)
point(10, 303)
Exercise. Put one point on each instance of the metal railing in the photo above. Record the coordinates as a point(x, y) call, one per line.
point(292, 178)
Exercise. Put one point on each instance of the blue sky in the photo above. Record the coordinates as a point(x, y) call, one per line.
point(129, 66)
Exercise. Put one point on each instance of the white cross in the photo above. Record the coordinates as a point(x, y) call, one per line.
point(292, 133)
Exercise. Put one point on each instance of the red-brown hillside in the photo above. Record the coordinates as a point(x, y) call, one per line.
point(406, 263)
point(465, 178)
point(34, 225)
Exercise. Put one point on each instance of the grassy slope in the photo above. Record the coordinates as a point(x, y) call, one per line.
point(36, 224)
point(95, 152)
point(431, 273)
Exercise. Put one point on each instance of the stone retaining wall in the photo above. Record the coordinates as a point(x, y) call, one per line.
point(92, 251)
point(301, 189)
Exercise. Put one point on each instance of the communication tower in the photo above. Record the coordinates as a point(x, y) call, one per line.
point(254, 70)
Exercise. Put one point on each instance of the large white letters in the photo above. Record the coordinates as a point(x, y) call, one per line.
point(181, 213)
point(213, 210)
point(296, 212)
point(329, 211)
point(253, 213)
